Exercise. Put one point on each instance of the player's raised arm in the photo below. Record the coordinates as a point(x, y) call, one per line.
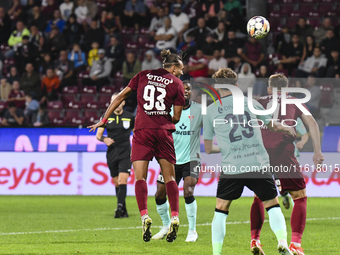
point(177, 113)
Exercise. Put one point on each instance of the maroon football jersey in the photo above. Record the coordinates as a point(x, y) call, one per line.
point(274, 139)
point(157, 91)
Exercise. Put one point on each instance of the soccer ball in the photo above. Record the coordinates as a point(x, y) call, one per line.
point(258, 27)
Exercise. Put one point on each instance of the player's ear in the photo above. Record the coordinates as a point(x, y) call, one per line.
point(123, 103)
point(269, 90)
point(236, 84)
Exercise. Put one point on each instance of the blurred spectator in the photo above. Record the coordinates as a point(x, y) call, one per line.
point(117, 7)
point(333, 63)
point(32, 107)
point(233, 4)
point(260, 85)
point(234, 21)
point(42, 48)
point(5, 26)
point(200, 32)
point(280, 70)
point(209, 46)
point(230, 49)
point(56, 42)
point(17, 96)
point(92, 7)
point(315, 65)
point(320, 33)
point(28, 9)
point(130, 67)
point(302, 29)
point(5, 89)
point(110, 26)
point(181, 3)
point(211, 8)
point(252, 52)
point(35, 36)
point(220, 32)
point(116, 53)
point(64, 69)
point(282, 40)
point(246, 78)
point(40, 119)
point(45, 64)
point(37, 19)
point(50, 86)
point(135, 14)
point(77, 57)
point(194, 11)
point(150, 62)
point(314, 89)
point(16, 38)
point(308, 48)
point(198, 65)
point(100, 71)
point(237, 64)
point(15, 12)
point(56, 22)
point(186, 75)
point(179, 21)
point(13, 75)
point(82, 13)
point(25, 53)
point(157, 22)
point(66, 9)
point(166, 37)
point(93, 54)
point(94, 34)
point(49, 9)
point(72, 30)
point(217, 62)
point(329, 43)
point(30, 81)
point(188, 47)
point(14, 117)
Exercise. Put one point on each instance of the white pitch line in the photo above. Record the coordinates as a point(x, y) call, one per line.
point(101, 229)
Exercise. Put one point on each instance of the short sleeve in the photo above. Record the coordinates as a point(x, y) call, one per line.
point(208, 130)
point(133, 84)
point(300, 128)
point(210, 66)
point(160, 31)
point(299, 112)
point(265, 118)
point(179, 99)
point(186, 18)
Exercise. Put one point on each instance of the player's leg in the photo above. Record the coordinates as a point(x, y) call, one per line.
point(256, 222)
point(122, 182)
point(190, 207)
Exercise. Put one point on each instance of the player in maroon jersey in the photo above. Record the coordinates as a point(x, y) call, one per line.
point(157, 91)
point(280, 148)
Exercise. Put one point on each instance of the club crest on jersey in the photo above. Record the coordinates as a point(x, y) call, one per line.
point(191, 117)
point(126, 124)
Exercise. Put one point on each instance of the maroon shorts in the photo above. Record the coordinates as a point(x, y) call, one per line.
point(284, 159)
point(149, 143)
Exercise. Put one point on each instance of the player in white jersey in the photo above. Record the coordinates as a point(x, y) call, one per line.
point(187, 149)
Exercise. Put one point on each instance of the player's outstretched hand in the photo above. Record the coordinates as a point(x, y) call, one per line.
point(95, 126)
point(291, 131)
point(318, 158)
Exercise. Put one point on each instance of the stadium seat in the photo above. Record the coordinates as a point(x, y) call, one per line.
point(71, 113)
point(323, 9)
point(57, 122)
point(275, 14)
point(126, 31)
point(107, 90)
point(70, 90)
point(144, 31)
point(53, 114)
point(296, 14)
point(142, 40)
point(131, 45)
point(74, 105)
point(286, 9)
point(93, 105)
point(8, 62)
point(66, 98)
point(289, 1)
point(4, 47)
point(306, 8)
point(149, 45)
point(75, 121)
point(118, 82)
point(89, 90)
point(56, 105)
point(326, 95)
point(291, 22)
point(119, 74)
point(91, 113)
point(275, 24)
point(87, 98)
point(308, 1)
point(314, 22)
point(127, 38)
point(103, 98)
point(83, 74)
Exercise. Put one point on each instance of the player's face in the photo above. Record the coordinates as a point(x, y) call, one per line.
point(178, 70)
point(187, 91)
point(120, 107)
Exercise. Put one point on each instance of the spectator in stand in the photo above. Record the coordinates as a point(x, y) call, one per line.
point(14, 117)
point(315, 65)
point(40, 119)
point(308, 48)
point(49, 9)
point(333, 63)
point(260, 85)
point(209, 46)
point(5, 89)
point(50, 86)
point(302, 29)
point(117, 7)
point(320, 33)
point(116, 53)
point(56, 22)
point(200, 32)
point(188, 47)
point(56, 42)
point(92, 7)
point(233, 4)
point(78, 58)
point(30, 81)
point(246, 79)
point(130, 67)
point(220, 32)
point(280, 70)
point(66, 9)
point(157, 22)
point(64, 69)
point(211, 8)
point(217, 62)
point(94, 34)
point(25, 53)
point(45, 64)
point(110, 27)
point(35, 36)
point(16, 38)
point(100, 71)
point(329, 43)
point(181, 3)
point(13, 75)
point(198, 65)
point(135, 14)
point(194, 11)
point(230, 49)
point(93, 54)
point(32, 107)
point(179, 21)
point(166, 37)
point(186, 75)
point(43, 48)
point(28, 9)
point(16, 11)
point(17, 96)
point(252, 52)
point(72, 30)
point(282, 40)
point(150, 62)
point(82, 13)
point(314, 89)
point(37, 19)
point(5, 26)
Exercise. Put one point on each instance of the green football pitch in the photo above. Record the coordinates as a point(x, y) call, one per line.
point(85, 225)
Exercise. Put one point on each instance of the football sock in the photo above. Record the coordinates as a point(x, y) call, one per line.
point(141, 191)
point(256, 218)
point(163, 211)
point(277, 223)
point(298, 219)
point(191, 208)
point(122, 194)
point(117, 193)
point(218, 230)
point(173, 194)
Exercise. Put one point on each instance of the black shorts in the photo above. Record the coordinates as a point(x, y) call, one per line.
point(231, 188)
point(118, 160)
point(182, 171)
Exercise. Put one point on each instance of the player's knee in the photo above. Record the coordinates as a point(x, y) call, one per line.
point(189, 191)
point(160, 195)
point(298, 194)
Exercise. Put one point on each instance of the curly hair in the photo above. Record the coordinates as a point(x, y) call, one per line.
point(225, 75)
point(278, 81)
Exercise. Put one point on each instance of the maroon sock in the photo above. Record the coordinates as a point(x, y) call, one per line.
point(172, 192)
point(141, 191)
point(298, 219)
point(256, 218)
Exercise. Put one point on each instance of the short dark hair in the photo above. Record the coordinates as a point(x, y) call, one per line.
point(170, 59)
point(225, 75)
point(278, 81)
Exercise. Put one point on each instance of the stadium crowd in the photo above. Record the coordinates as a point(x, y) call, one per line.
point(61, 60)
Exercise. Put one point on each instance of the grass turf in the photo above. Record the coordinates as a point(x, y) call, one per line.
point(85, 225)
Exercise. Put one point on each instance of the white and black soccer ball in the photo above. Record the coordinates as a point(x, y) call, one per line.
point(258, 27)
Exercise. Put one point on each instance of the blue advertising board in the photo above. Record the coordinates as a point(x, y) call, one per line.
point(331, 139)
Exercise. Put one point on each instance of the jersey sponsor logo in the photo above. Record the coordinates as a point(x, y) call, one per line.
point(191, 117)
point(184, 132)
point(159, 79)
point(183, 126)
point(126, 124)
